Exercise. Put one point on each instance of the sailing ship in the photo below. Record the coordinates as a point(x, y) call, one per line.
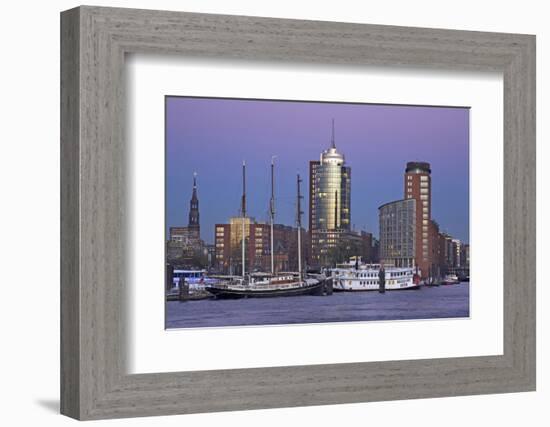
point(272, 284)
point(356, 276)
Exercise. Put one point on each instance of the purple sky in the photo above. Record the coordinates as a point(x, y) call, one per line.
point(213, 137)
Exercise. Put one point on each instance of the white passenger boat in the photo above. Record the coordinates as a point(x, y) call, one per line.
point(356, 276)
point(450, 279)
point(196, 279)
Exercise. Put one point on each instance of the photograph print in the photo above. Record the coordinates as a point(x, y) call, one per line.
point(281, 212)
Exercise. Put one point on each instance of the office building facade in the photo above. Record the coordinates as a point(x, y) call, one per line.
point(398, 229)
point(228, 246)
point(329, 202)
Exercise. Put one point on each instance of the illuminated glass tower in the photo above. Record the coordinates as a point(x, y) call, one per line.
point(329, 201)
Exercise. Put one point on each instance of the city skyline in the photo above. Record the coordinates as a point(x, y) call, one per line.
point(212, 136)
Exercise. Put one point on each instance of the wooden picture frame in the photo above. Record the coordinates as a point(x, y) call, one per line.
point(94, 382)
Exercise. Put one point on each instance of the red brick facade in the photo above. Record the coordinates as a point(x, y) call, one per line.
point(417, 185)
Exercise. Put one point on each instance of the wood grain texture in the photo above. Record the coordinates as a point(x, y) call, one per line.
point(70, 292)
point(95, 40)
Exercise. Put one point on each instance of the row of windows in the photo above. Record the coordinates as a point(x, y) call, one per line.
point(393, 274)
point(422, 178)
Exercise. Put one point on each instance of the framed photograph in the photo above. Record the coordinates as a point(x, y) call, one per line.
point(219, 253)
point(262, 213)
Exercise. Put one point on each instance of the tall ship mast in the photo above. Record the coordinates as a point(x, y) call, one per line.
point(243, 213)
point(263, 284)
point(299, 225)
point(272, 211)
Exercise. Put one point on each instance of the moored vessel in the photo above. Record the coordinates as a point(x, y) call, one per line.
point(450, 279)
point(356, 276)
point(261, 285)
point(273, 284)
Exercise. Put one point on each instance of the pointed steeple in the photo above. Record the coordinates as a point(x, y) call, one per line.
point(194, 207)
point(194, 195)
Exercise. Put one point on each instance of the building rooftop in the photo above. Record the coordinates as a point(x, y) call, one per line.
point(418, 167)
point(396, 201)
point(332, 155)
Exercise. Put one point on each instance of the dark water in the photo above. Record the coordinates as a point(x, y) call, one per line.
point(425, 303)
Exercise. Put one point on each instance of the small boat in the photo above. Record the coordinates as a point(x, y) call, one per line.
point(356, 276)
point(196, 279)
point(450, 279)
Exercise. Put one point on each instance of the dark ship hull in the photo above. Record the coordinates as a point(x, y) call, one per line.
point(323, 287)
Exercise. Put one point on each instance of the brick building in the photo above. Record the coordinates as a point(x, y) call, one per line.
point(417, 186)
point(228, 248)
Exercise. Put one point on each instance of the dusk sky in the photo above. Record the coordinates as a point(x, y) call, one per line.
point(213, 137)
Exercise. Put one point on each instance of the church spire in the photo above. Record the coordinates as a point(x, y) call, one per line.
point(194, 196)
point(194, 207)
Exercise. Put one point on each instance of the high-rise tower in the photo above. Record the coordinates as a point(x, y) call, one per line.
point(194, 224)
point(418, 186)
point(329, 201)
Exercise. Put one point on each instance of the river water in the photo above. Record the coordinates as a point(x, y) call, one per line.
point(424, 303)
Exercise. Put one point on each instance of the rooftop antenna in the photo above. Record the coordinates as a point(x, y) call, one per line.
point(333, 143)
